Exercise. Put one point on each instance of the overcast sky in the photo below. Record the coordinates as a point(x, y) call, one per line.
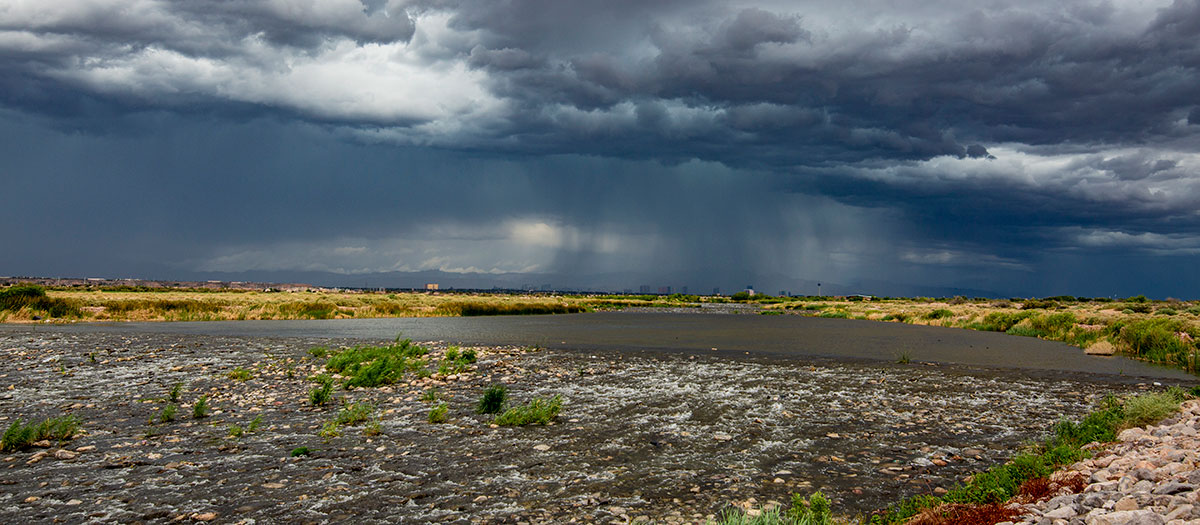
point(1023, 147)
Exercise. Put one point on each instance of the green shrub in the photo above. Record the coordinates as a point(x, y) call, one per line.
point(1166, 311)
point(318, 351)
point(254, 424)
point(493, 400)
point(940, 313)
point(1155, 340)
point(898, 317)
point(371, 366)
point(168, 413)
point(815, 510)
point(34, 297)
point(539, 411)
point(19, 435)
point(839, 314)
point(240, 374)
point(301, 451)
point(236, 431)
point(439, 413)
point(354, 413)
point(1026, 331)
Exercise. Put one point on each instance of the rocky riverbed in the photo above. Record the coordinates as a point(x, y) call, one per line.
point(663, 437)
point(1150, 477)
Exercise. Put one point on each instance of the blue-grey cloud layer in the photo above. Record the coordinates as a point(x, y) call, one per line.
point(1034, 147)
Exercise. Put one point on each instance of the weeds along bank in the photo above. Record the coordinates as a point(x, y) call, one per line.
point(1160, 332)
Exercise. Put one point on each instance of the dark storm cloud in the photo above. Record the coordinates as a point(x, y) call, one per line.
point(988, 137)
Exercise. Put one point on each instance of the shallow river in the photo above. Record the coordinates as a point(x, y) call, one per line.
point(655, 422)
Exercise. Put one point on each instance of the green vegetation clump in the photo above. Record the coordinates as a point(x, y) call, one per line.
point(354, 413)
point(240, 374)
point(1063, 447)
point(301, 451)
point(309, 310)
point(1159, 340)
point(439, 413)
point(34, 298)
point(319, 395)
point(493, 400)
point(456, 361)
point(318, 351)
point(174, 392)
point(20, 435)
point(372, 366)
point(168, 413)
point(940, 313)
point(539, 411)
point(200, 407)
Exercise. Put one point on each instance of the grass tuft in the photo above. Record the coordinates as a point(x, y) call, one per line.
point(200, 407)
point(20, 435)
point(539, 411)
point(493, 400)
point(438, 414)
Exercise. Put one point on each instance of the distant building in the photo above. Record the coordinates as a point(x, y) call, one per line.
point(783, 293)
point(664, 290)
point(750, 289)
point(431, 286)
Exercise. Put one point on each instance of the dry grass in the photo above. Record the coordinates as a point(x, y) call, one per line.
point(238, 305)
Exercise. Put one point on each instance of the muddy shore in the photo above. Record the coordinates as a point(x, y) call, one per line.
point(667, 437)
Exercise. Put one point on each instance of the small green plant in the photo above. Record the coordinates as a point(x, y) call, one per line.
point(236, 431)
point(320, 395)
point(374, 428)
point(168, 413)
point(439, 413)
point(174, 392)
point(904, 358)
point(254, 424)
point(354, 413)
point(330, 430)
point(200, 407)
point(318, 351)
point(20, 435)
point(539, 411)
point(240, 374)
point(493, 400)
point(301, 451)
point(431, 395)
point(816, 509)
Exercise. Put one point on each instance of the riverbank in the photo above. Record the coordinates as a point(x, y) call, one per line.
point(1151, 475)
point(672, 437)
